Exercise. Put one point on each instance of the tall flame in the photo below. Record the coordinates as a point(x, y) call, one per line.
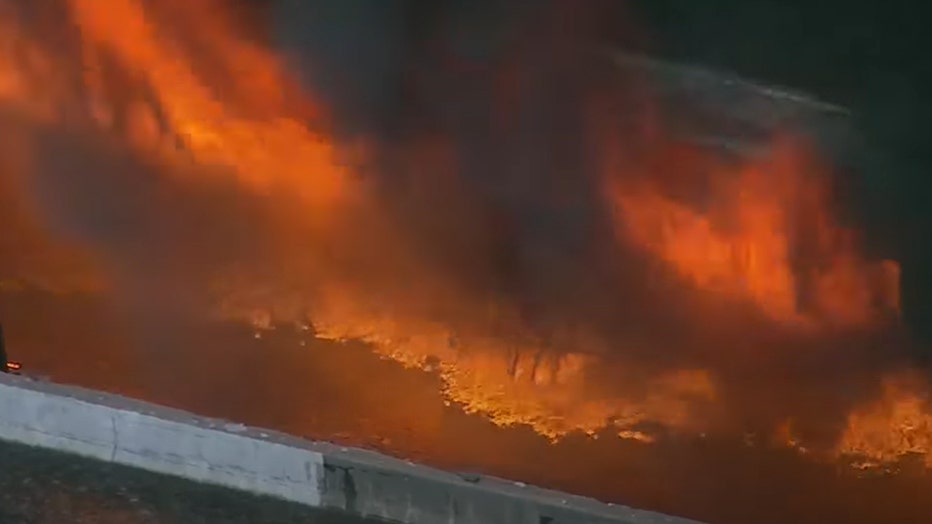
point(762, 233)
point(263, 140)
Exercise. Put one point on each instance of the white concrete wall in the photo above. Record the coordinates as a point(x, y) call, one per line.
point(355, 481)
point(205, 454)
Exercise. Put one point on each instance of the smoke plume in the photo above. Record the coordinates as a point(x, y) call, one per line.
point(486, 192)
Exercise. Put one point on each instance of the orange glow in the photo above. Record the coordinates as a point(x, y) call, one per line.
point(30, 89)
point(763, 235)
point(227, 104)
point(190, 93)
point(883, 432)
point(257, 133)
point(518, 382)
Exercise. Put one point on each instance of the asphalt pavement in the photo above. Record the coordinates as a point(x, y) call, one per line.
point(43, 487)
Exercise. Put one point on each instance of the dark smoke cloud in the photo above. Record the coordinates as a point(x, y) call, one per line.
point(498, 83)
point(510, 205)
point(509, 85)
point(365, 56)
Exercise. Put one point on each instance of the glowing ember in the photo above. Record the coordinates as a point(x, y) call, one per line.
point(514, 383)
point(891, 428)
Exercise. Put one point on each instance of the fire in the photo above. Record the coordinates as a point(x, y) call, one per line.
point(761, 234)
point(259, 130)
point(885, 431)
point(176, 84)
point(513, 380)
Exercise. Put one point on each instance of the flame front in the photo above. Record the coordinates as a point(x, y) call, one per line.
point(891, 428)
point(176, 85)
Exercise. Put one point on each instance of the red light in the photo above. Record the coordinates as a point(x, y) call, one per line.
point(14, 366)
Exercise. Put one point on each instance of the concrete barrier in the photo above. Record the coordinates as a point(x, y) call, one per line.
point(125, 431)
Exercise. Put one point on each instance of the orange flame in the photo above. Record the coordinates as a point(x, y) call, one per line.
point(262, 136)
point(193, 92)
point(885, 431)
point(763, 236)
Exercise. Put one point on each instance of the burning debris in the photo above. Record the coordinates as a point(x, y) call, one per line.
point(567, 258)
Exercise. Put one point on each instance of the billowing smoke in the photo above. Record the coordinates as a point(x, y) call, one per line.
point(483, 189)
point(521, 97)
